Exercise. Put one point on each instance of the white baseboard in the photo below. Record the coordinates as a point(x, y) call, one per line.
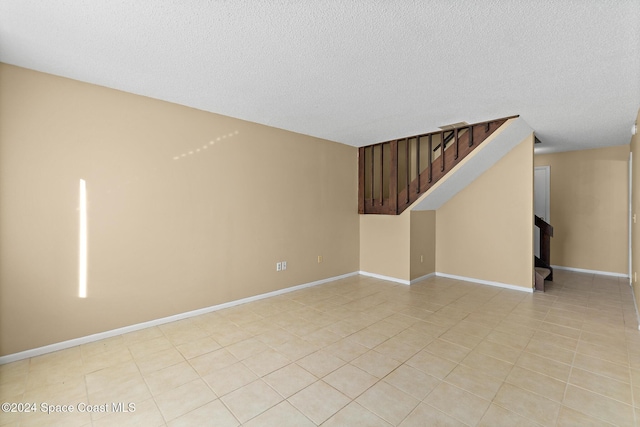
point(486, 282)
point(115, 332)
point(387, 278)
point(426, 276)
point(582, 270)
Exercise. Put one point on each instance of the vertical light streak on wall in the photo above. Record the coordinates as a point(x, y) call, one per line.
point(82, 253)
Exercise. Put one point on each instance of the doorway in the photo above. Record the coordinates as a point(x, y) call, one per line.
point(541, 208)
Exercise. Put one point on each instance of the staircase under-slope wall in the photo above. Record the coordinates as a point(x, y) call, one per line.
point(402, 249)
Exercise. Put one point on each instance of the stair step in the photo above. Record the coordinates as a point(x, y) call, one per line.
point(544, 272)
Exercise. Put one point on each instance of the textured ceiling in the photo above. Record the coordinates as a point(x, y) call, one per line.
point(355, 71)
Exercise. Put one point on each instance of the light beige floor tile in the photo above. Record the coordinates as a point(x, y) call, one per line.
point(296, 349)
point(289, 380)
point(281, 415)
point(527, 404)
point(354, 415)
point(159, 360)
point(412, 381)
point(226, 380)
point(497, 416)
point(602, 385)
point(461, 339)
point(170, 377)
point(487, 364)
point(146, 413)
point(145, 348)
point(346, 350)
point(474, 381)
point(14, 386)
point(184, 399)
point(319, 401)
point(611, 354)
point(425, 415)
point(498, 351)
point(375, 363)
point(212, 413)
point(198, 347)
point(447, 350)
point(367, 338)
point(99, 360)
point(320, 363)
point(251, 400)
point(228, 335)
point(350, 380)
point(583, 320)
point(602, 367)
point(246, 348)
point(266, 362)
point(396, 349)
point(211, 362)
point(538, 383)
point(107, 377)
point(388, 402)
point(51, 377)
point(550, 351)
point(62, 359)
point(533, 362)
point(457, 403)
point(275, 337)
point(322, 337)
point(431, 364)
point(517, 341)
point(128, 389)
point(571, 418)
point(598, 406)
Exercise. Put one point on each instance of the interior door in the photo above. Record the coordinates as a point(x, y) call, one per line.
point(540, 201)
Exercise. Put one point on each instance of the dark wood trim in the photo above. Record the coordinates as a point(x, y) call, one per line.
point(400, 199)
point(361, 179)
point(393, 177)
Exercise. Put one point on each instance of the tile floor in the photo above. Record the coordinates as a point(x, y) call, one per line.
point(360, 352)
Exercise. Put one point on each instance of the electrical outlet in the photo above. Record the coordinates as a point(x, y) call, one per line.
point(284, 265)
point(635, 279)
point(319, 259)
point(421, 258)
point(278, 266)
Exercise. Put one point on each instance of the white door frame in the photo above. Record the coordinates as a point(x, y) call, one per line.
point(631, 219)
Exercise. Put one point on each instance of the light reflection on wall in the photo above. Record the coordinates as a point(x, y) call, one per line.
point(205, 146)
point(82, 250)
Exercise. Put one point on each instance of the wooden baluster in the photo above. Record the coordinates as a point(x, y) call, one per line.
point(442, 151)
point(470, 135)
point(373, 175)
point(455, 136)
point(381, 174)
point(361, 179)
point(430, 157)
point(393, 178)
point(407, 155)
point(418, 163)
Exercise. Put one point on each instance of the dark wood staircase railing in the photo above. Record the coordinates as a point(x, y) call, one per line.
point(544, 261)
point(394, 174)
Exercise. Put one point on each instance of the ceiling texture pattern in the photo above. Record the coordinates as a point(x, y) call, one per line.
point(356, 72)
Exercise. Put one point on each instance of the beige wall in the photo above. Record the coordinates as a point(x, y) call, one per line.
point(385, 245)
point(423, 243)
point(589, 208)
point(635, 200)
point(486, 230)
point(176, 223)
